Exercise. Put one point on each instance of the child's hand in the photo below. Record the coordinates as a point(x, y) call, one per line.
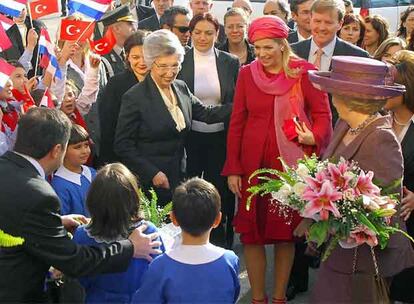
point(94, 60)
point(72, 221)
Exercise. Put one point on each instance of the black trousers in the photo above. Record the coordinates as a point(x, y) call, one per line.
point(206, 153)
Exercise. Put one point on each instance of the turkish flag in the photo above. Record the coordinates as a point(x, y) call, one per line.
point(47, 100)
point(76, 30)
point(104, 45)
point(40, 8)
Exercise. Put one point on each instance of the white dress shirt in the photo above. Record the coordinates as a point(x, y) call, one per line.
point(326, 57)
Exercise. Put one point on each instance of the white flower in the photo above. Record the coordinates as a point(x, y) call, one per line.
point(369, 203)
point(302, 171)
point(349, 194)
point(283, 193)
point(299, 188)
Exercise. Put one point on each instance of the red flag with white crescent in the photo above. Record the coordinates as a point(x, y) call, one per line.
point(5, 42)
point(40, 8)
point(76, 30)
point(104, 45)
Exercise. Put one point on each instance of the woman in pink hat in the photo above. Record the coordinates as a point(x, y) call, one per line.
point(276, 113)
point(360, 88)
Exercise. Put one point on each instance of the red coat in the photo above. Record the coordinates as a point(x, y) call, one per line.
point(251, 135)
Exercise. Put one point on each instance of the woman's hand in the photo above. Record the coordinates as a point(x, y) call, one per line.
point(305, 136)
point(303, 227)
point(160, 180)
point(407, 203)
point(235, 184)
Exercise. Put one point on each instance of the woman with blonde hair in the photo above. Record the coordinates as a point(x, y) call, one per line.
point(276, 112)
point(388, 48)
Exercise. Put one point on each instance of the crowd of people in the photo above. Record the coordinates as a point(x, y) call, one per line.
point(190, 106)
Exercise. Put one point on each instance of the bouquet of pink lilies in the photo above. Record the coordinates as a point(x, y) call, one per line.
point(347, 206)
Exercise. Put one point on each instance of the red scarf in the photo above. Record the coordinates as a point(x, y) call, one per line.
point(25, 97)
point(288, 103)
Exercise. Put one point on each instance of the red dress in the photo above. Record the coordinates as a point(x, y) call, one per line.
point(252, 144)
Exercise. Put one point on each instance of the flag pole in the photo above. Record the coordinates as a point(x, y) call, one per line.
point(37, 57)
point(30, 14)
point(84, 31)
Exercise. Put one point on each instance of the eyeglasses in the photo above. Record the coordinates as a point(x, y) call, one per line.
point(182, 29)
point(166, 68)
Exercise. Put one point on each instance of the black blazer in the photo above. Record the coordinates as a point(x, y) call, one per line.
point(250, 50)
point(17, 48)
point(109, 104)
point(342, 48)
point(29, 208)
point(227, 68)
point(150, 24)
point(407, 146)
point(293, 37)
point(143, 12)
point(147, 140)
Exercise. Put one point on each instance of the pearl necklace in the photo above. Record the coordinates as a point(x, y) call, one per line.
point(399, 123)
point(362, 125)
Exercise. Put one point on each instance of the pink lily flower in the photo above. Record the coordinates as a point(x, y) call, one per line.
point(315, 183)
point(338, 176)
point(365, 185)
point(322, 201)
point(362, 234)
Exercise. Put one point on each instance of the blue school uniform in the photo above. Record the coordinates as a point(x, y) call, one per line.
point(72, 188)
point(191, 274)
point(113, 287)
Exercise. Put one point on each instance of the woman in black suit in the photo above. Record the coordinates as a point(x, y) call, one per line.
point(110, 100)
point(211, 75)
point(402, 109)
point(156, 115)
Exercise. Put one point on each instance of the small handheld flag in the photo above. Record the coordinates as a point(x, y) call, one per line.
point(92, 8)
point(12, 7)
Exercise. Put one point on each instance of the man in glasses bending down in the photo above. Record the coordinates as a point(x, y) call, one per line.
point(177, 20)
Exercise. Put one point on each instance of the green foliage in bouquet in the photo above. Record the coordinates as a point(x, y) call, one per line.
point(151, 211)
point(269, 184)
point(7, 240)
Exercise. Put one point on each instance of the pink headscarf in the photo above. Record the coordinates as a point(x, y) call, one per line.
point(267, 27)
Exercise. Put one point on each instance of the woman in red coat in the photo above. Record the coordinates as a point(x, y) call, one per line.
point(276, 113)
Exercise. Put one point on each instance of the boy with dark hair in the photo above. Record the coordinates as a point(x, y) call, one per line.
point(195, 271)
point(72, 180)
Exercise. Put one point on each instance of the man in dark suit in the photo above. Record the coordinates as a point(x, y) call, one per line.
point(326, 20)
point(20, 35)
point(123, 24)
point(177, 20)
point(301, 12)
point(152, 23)
point(29, 209)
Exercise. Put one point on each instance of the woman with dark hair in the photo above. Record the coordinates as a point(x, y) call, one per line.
point(110, 101)
point(211, 76)
point(376, 31)
point(364, 136)
point(113, 202)
point(353, 29)
point(277, 113)
point(402, 112)
point(406, 24)
point(235, 27)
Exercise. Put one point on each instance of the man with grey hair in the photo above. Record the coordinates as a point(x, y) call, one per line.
point(151, 133)
point(177, 20)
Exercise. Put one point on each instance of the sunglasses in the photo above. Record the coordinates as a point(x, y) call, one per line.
point(182, 29)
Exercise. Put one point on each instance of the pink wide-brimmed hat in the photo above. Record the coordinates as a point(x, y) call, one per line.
point(358, 77)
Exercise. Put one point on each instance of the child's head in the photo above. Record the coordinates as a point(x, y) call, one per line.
point(68, 105)
point(78, 150)
point(113, 202)
point(196, 206)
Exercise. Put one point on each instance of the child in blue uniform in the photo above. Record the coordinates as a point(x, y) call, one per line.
point(196, 271)
point(72, 180)
point(113, 202)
